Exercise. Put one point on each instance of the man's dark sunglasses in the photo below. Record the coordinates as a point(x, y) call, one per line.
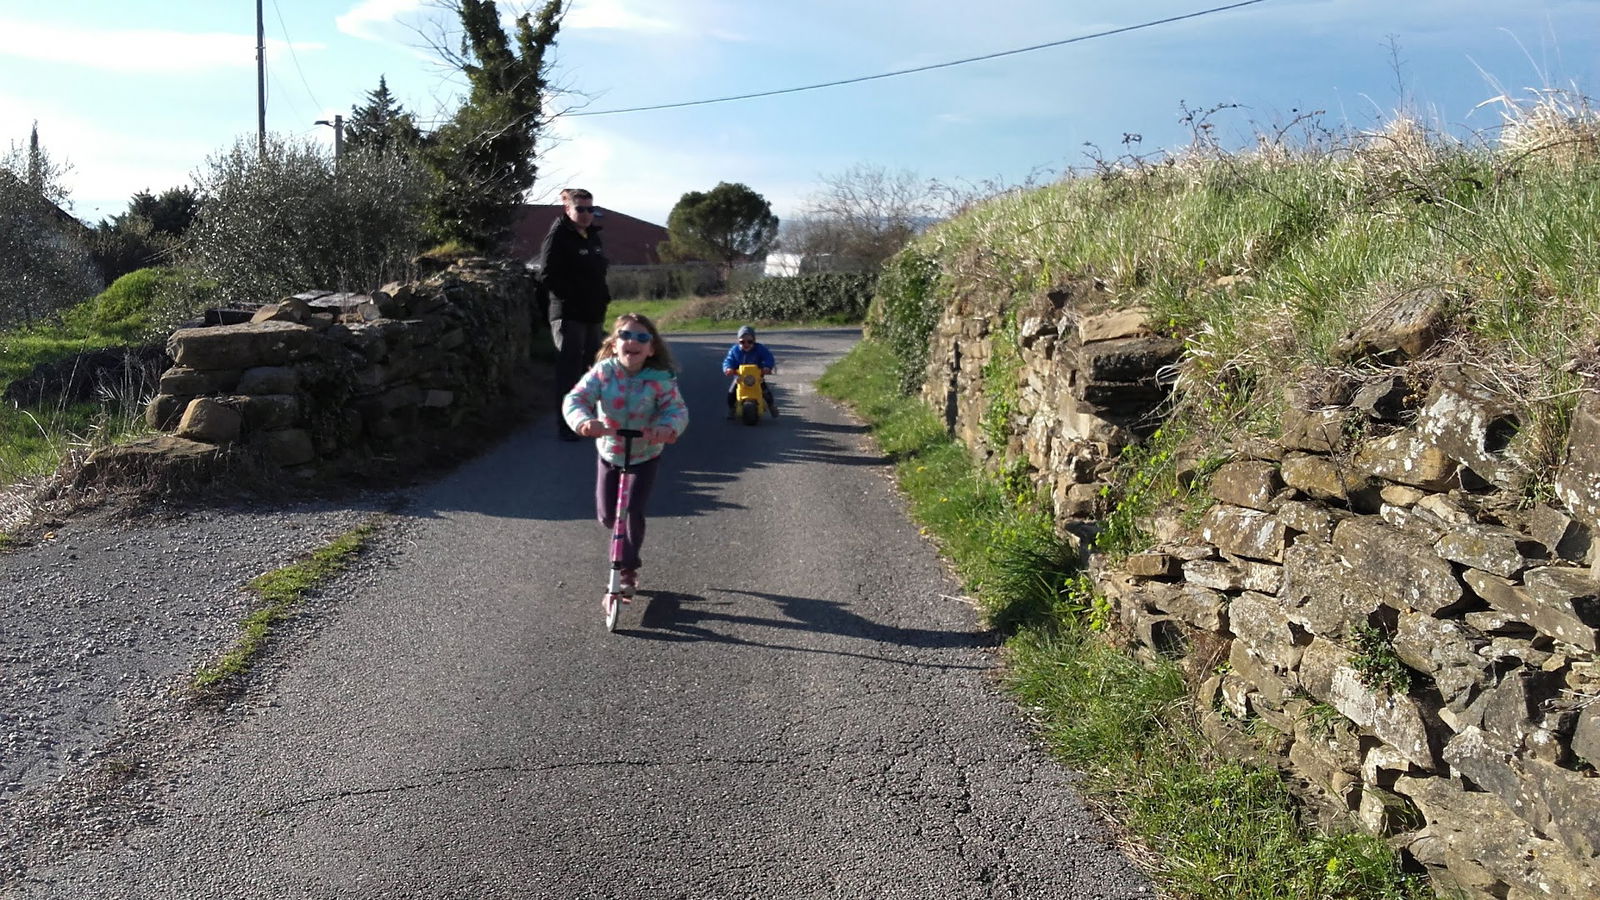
point(583, 209)
point(641, 337)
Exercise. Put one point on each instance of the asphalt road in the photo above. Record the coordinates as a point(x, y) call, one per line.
point(795, 706)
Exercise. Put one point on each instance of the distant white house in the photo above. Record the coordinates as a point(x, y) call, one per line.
point(782, 265)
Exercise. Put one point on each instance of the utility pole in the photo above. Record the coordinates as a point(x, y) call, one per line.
point(261, 84)
point(338, 136)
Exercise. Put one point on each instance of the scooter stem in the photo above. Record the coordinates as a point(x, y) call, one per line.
point(627, 435)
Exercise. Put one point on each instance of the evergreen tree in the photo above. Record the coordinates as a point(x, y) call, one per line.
point(171, 212)
point(484, 156)
point(36, 161)
point(146, 234)
point(728, 223)
point(381, 124)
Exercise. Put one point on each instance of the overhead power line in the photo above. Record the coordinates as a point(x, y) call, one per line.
point(944, 65)
point(289, 42)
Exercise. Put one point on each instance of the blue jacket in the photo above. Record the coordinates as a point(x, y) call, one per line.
point(758, 354)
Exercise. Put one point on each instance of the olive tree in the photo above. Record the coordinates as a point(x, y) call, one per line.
point(289, 220)
point(44, 263)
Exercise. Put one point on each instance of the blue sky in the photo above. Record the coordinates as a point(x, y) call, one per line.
point(135, 94)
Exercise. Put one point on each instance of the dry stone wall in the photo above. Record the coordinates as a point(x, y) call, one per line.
point(1372, 592)
point(1085, 386)
point(321, 375)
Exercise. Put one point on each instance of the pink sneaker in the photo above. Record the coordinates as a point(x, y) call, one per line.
point(630, 582)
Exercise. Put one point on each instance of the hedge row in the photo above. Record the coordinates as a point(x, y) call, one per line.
point(830, 296)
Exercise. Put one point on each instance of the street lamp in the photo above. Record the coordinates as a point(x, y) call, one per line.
point(338, 135)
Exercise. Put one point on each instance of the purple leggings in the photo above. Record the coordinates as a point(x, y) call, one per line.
point(605, 504)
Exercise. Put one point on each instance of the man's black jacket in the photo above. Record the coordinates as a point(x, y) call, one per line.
point(572, 270)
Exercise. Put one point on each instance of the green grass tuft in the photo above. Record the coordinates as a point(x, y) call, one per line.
point(139, 306)
point(281, 592)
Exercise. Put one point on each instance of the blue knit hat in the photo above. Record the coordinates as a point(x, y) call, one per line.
point(746, 331)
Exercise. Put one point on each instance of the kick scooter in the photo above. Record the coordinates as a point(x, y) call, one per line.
point(616, 593)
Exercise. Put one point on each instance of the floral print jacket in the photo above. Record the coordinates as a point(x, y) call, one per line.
point(649, 399)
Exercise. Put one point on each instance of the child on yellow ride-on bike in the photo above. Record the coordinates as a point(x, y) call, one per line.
point(747, 351)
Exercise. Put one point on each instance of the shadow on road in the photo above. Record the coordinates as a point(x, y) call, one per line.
point(671, 616)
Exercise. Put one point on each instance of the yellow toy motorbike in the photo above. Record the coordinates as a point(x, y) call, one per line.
point(750, 394)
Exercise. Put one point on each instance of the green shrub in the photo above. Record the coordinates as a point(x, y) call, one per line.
point(290, 220)
point(142, 305)
point(905, 310)
point(662, 282)
point(830, 296)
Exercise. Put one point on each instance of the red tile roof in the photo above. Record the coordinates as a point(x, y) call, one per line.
point(628, 241)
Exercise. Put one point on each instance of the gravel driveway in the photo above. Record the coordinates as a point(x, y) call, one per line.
point(100, 624)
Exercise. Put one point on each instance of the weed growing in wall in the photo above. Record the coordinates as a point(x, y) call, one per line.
point(1146, 479)
point(1376, 663)
point(1000, 389)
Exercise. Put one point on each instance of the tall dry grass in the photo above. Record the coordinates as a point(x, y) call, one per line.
point(1262, 259)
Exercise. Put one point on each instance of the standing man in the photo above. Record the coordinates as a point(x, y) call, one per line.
point(572, 270)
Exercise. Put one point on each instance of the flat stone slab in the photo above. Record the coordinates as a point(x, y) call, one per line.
point(1376, 552)
point(244, 346)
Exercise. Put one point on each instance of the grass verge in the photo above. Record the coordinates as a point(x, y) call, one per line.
point(1216, 828)
point(34, 439)
point(281, 592)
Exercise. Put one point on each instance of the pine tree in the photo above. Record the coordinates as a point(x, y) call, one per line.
point(382, 124)
point(728, 223)
point(171, 212)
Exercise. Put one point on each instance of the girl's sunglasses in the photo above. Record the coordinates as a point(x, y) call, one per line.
point(641, 337)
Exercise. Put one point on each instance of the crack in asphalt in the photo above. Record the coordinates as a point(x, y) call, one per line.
point(441, 778)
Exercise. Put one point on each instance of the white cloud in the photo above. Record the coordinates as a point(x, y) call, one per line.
point(614, 15)
point(382, 20)
point(694, 19)
point(134, 50)
point(376, 20)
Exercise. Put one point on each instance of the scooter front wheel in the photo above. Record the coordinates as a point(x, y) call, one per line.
point(613, 607)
